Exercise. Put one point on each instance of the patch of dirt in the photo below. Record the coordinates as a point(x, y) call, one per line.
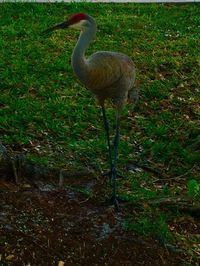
point(42, 225)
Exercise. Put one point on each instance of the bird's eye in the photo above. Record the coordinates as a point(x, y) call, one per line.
point(86, 23)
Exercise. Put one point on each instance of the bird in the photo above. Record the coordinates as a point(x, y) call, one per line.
point(108, 75)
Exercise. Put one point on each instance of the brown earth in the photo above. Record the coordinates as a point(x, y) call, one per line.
point(42, 225)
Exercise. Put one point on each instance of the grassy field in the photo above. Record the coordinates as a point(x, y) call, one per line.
point(46, 114)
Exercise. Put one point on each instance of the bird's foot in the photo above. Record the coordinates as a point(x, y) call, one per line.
point(116, 201)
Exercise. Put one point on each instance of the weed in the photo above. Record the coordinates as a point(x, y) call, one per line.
point(193, 188)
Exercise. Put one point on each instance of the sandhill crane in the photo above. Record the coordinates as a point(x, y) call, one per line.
point(106, 74)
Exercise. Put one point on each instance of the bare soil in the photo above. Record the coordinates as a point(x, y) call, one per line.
point(41, 224)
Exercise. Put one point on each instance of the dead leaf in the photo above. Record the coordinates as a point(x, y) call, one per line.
point(10, 257)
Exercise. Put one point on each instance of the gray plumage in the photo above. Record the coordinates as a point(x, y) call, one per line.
point(109, 75)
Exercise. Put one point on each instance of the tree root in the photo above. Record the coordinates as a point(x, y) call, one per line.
point(180, 204)
point(16, 166)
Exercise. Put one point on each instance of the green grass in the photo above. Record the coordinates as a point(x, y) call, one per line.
point(46, 113)
point(155, 225)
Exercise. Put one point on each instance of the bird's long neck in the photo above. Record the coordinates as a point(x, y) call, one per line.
point(79, 62)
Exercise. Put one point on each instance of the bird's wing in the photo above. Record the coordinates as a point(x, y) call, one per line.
point(104, 70)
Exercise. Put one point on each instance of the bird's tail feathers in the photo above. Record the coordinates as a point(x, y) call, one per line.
point(133, 95)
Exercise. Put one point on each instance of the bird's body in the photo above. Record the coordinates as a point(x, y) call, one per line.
point(108, 75)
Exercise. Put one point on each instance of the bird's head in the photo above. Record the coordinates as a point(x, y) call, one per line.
point(79, 21)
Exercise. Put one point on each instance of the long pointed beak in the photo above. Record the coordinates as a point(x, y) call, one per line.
point(62, 25)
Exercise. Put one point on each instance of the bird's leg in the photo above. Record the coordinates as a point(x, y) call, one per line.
point(106, 126)
point(114, 166)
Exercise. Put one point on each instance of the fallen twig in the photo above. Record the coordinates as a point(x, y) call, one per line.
point(134, 164)
point(180, 177)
